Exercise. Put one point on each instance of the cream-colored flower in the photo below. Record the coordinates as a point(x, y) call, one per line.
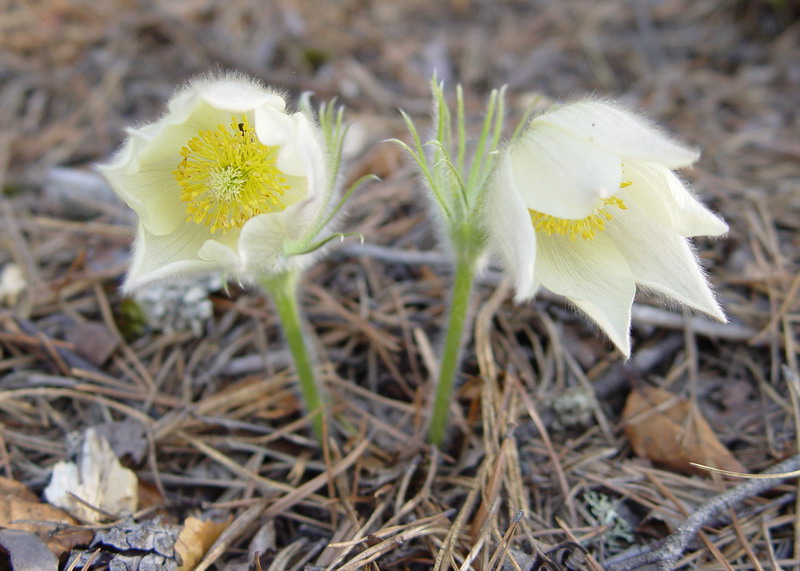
point(585, 204)
point(222, 182)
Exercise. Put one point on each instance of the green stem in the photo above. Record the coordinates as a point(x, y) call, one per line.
point(451, 356)
point(283, 288)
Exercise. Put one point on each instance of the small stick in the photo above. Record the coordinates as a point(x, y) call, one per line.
point(668, 551)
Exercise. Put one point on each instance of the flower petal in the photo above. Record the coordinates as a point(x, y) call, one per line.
point(511, 233)
point(221, 252)
point(173, 256)
point(154, 196)
point(663, 196)
point(662, 260)
point(231, 92)
point(263, 241)
point(620, 132)
point(594, 276)
point(290, 133)
point(559, 174)
point(309, 145)
point(238, 93)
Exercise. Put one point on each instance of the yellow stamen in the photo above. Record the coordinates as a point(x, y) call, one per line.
point(586, 228)
point(227, 176)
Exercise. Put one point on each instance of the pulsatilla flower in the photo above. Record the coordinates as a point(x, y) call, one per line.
point(227, 180)
point(585, 203)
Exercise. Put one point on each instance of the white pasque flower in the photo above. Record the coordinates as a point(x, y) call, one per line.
point(222, 182)
point(585, 204)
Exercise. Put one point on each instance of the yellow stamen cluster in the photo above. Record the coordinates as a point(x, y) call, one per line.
point(586, 228)
point(227, 176)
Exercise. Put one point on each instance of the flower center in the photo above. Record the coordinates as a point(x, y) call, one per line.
point(227, 176)
point(586, 228)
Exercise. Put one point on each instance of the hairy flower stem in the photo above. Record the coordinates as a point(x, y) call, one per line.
point(467, 256)
point(283, 289)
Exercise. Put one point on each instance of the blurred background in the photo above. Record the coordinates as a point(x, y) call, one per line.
point(74, 73)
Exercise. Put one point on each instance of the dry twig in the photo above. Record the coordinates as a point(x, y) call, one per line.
point(667, 552)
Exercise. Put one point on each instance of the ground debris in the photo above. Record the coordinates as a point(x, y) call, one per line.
point(662, 427)
point(132, 546)
point(92, 341)
point(568, 556)
point(96, 485)
point(128, 439)
point(195, 538)
point(26, 551)
point(121, 562)
point(21, 510)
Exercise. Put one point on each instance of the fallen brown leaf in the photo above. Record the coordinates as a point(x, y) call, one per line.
point(656, 424)
point(150, 499)
point(9, 487)
point(93, 341)
point(195, 538)
point(20, 509)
